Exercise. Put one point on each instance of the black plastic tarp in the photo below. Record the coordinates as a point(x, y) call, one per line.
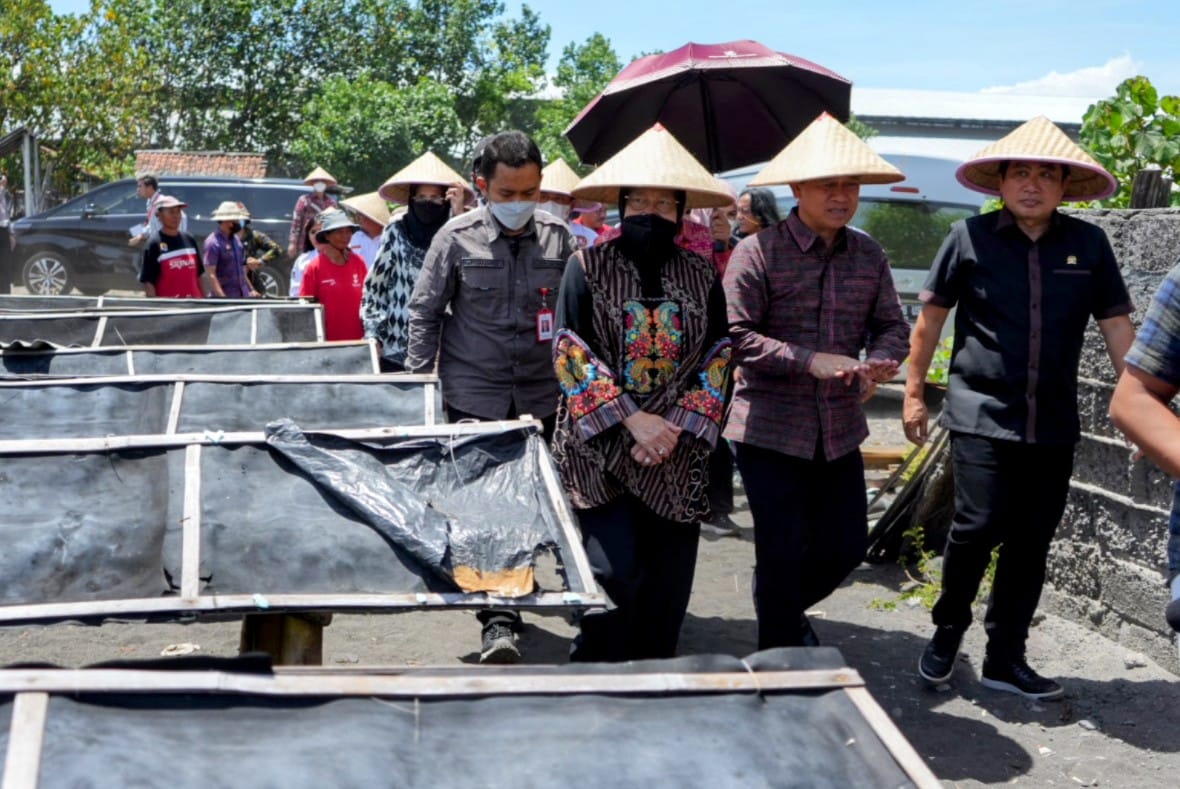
point(308, 359)
point(773, 731)
point(134, 406)
point(225, 325)
point(93, 526)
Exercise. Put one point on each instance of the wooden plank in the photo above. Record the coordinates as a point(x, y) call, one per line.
point(565, 517)
point(26, 734)
point(382, 379)
point(368, 602)
point(909, 759)
point(402, 682)
point(884, 457)
point(111, 443)
point(174, 408)
point(99, 332)
point(190, 551)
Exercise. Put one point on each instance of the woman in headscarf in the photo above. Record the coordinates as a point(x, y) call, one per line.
point(642, 359)
point(432, 192)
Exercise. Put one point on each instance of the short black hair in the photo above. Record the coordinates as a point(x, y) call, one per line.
point(512, 148)
point(763, 206)
point(1004, 164)
point(148, 180)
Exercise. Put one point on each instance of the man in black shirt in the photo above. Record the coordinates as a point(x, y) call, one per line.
point(1025, 280)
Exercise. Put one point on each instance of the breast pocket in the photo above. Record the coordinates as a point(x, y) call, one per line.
point(483, 288)
point(546, 273)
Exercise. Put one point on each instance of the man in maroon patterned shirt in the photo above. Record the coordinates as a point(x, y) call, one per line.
point(806, 297)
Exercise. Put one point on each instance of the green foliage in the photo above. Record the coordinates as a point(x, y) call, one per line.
point(911, 233)
point(860, 128)
point(940, 363)
point(375, 129)
point(928, 585)
point(1132, 130)
point(583, 71)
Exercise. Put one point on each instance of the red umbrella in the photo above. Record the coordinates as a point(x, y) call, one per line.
point(730, 104)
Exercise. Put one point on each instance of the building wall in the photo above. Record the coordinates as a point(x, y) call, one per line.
point(1107, 565)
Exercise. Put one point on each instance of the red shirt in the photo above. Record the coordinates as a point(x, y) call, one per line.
point(339, 289)
point(173, 265)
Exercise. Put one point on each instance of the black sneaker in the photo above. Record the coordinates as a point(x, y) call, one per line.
point(1015, 676)
point(499, 644)
point(938, 659)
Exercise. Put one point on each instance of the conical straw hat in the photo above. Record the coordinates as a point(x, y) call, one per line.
point(371, 205)
point(559, 178)
point(827, 149)
point(655, 160)
point(426, 169)
point(1038, 140)
point(319, 174)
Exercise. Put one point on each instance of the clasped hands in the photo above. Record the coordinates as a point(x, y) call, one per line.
point(655, 437)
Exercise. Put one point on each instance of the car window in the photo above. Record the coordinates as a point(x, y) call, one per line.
point(911, 232)
point(269, 203)
point(119, 198)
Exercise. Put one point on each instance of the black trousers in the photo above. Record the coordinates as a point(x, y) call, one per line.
point(721, 478)
point(646, 564)
point(810, 532)
point(1012, 495)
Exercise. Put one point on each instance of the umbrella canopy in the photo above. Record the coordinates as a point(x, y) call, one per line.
point(730, 104)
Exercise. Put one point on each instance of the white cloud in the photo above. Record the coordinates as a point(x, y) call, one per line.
point(1090, 81)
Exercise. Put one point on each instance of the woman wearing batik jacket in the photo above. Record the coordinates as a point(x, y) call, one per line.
point(642, 359)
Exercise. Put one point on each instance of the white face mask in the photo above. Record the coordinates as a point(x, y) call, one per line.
point(560, 211)
point(320, 187)
point(513, 215)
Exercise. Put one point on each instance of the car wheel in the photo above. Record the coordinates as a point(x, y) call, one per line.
point(270, 283)
point(47, 274)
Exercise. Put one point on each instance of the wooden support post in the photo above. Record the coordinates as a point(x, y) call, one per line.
point(1151, 189)
point(290, 639)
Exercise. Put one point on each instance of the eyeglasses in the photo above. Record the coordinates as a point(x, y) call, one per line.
point(431, 200)
point(642, 203)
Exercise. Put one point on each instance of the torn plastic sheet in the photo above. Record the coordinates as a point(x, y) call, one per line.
point(494, 553)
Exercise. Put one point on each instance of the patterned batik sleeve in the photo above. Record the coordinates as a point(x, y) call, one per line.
point(700, 409)
point(591, 390)
point(1156, 350)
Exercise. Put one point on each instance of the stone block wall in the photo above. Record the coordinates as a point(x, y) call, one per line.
point(1107, 565)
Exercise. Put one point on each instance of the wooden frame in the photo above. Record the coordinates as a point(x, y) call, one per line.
point(33, 687)
point(131, 351)
point(103, 316)
point(190, 601)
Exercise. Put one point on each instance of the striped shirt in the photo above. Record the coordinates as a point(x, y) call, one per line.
point(1156, 350)
point(790, 297)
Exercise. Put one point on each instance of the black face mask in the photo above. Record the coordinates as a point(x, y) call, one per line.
point(430, 214)
point(235, 227)
point(648, 235)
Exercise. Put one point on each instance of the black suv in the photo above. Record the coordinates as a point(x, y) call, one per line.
point(82, 244)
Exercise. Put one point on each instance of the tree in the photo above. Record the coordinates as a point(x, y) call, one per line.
point(1132, 130)
point(73, 81)
point(583, 71)
point(376, 128)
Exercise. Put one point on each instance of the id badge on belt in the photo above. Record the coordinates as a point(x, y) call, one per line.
point(545, 318)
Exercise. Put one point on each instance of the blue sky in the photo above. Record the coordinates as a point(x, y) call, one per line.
point(1060, 47)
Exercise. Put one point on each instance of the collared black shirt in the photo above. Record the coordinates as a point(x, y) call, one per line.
point(1022, 312)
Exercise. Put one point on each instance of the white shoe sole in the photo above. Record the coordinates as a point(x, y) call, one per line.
point(938, 680)
point(1008, 687)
